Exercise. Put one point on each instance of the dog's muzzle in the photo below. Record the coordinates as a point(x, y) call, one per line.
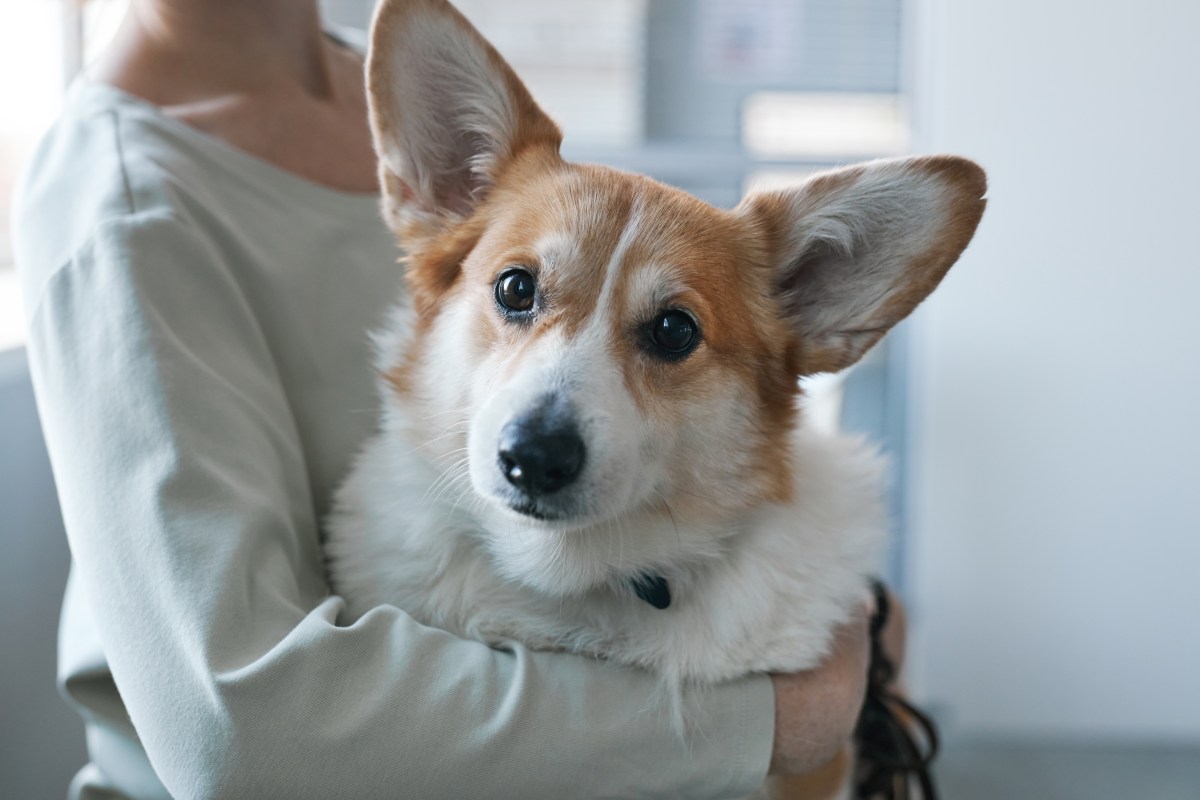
point(541, 451)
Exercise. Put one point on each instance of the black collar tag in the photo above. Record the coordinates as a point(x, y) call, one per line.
point(652, 588)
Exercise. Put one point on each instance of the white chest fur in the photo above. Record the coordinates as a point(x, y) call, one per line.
point(762, 594)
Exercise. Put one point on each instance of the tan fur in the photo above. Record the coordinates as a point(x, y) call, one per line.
point(534, 127)
point(787, 284)
point(964, 185)
point(722, 265)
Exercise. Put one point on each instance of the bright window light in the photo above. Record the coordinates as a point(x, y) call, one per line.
point(766, 180)
point(31, 84)
point(35, 37)
point(801, 124)
point(582, 60)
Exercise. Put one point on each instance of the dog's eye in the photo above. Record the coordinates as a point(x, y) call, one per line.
point(515, 291)
point(674, 333)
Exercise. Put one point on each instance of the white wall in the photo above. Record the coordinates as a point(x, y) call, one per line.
point(1056, 472)
point(41, 738)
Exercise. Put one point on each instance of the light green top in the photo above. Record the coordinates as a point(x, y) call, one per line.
point(199, 348)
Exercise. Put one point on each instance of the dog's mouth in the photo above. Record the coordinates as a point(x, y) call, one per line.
point(528, 508)
point(549, 514)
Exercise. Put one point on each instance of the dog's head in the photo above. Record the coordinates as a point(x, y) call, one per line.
point(602, 346)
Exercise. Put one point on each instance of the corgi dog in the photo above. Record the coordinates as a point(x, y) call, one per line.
point(590, 437)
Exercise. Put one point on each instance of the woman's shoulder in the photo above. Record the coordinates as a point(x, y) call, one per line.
point(117, 167)
point(93, 169)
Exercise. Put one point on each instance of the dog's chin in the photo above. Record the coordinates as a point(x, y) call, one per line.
point(546, 516)
point(539, 513)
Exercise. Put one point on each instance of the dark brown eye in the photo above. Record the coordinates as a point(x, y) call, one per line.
point(515, 291)
point(674, 334)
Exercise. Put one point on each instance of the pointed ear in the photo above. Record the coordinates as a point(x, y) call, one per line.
point(857, 249)
point(447, 114)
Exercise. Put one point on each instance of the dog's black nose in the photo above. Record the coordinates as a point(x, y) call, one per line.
point(541, 451)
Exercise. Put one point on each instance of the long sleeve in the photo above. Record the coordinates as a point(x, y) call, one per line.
point(184, 475)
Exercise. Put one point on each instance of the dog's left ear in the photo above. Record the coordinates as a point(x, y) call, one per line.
point(447, 115)
point(856, 250)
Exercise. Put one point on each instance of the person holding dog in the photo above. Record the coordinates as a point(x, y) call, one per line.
point(203, 258)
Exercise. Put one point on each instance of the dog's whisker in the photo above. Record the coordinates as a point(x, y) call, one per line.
point(444, 413)
point(619, 527)
point(457, 477)
point(622, 529)
point(463, 478)
point(444, 482)
point(449, 453)
point(681, 490)
point(613, 532)
point(671, 514)
point(429, 442)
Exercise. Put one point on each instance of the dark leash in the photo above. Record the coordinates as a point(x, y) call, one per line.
point(890, 757)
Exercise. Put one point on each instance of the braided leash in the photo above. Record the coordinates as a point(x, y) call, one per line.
point(890, 757)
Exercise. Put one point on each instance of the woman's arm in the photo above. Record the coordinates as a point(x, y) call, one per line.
point(187, 504)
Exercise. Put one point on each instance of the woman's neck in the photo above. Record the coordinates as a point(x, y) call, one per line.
point(173, 52)
point(258, 74)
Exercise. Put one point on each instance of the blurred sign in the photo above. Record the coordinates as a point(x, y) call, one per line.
point(581, 59)
point(750, 40)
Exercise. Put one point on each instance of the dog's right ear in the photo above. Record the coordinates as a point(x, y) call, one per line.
point(856, 249)
point(447, 115)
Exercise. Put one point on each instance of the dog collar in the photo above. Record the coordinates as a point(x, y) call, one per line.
point(652, 588)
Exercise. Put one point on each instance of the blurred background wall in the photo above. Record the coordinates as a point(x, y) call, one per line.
point(1055, 460)
point(1040, 409)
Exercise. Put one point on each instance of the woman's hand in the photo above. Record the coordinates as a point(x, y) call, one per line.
point(816, 710)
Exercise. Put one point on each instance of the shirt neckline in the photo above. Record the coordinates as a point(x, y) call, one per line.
point(263, 172)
